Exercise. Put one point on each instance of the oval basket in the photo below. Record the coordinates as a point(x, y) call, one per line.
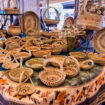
point(31, 23)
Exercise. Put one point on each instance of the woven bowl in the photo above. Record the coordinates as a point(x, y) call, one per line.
point(87, 64)
point(14, 30)
point(42, 54)
point(35, 63)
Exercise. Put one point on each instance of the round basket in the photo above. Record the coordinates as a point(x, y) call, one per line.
point(52, 77)
point(25, 89)
point(51, 21)
point(42, 54)
point(87, 64)
point(14, 10)
point(71, 66)
point(14, 30)
point(35, 63)
point(99, 41)
point(14, 74)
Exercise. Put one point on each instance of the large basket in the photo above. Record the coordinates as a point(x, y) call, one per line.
point(51, 76)
point(51, 21)
point(14, 10)
point(88, 20)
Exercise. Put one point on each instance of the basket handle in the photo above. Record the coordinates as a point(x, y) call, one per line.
point(72, 58)
point(52, 60)
point(44, 15)
point(13, 2)
point(25, 72)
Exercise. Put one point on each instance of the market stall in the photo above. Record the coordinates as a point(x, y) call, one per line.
point(49, 67)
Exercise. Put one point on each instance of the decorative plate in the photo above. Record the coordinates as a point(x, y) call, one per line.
point(35, 63)
point(99, 41)
point(31, 24)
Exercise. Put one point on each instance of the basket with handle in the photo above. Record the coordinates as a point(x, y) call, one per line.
point(51, 21)
point(25, 89)
point(51, 76)
point(88, 20)
point(71, 66)
point(10, 63)
point(14, 10)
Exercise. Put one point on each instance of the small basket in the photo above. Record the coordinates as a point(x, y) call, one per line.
point(52, 77)
point(78, 55)
point(14, 30)
point(71, 66)
point(25, 89)
point(97, 58)
point(32, 45)
point(42, 54)
point(9, 62)
point(87, 64)
point(14, 74)
point(14, 10)
point(35, 63)
point(51, 21)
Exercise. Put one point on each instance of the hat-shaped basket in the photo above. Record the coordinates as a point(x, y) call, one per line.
point(14, 10)
point(51, 21)
point(25, 89)
point(52, 76)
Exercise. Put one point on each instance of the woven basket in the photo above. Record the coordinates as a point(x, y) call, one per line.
point(52, 77)
point(3, 53)
point(14, 10)
point(97, 58)
point(10, 45)
point(25, 89)
point(78, 55)
point(59, 58)
point(14, 74)
point(42, 53)
point(32, 45)
point(35, 63)
point(87, 64)
point(71, 66)
point(88, 20)
point(14, 30)
point(46, 47)
point(9, 62)
point(51, 21)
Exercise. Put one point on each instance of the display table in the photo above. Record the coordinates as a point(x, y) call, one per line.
point(77, 90)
